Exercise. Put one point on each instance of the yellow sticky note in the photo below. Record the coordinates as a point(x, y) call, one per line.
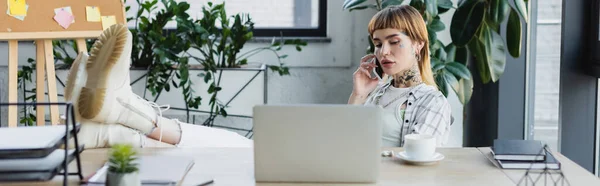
point(17, 7)
point(93, 13)
point(108, 21)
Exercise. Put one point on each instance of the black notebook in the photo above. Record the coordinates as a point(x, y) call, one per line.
point(520, 150)
point(549, 163)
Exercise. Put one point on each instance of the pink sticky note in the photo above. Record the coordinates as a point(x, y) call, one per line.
point(64, 18)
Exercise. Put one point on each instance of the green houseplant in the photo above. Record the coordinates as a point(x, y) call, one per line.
point(475, 28)
point(168, 56)
point(122, 168)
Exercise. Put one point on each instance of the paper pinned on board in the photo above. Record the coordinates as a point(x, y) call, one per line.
point(22, 18)
point(64, 18)
point(108, 21)
point(17, 7)
point(67, 9)
point(93, 13)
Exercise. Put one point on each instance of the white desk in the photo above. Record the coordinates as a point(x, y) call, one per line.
point(234, 166)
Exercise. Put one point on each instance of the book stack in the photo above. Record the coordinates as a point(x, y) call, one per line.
point(523, 154)
point(33, 153)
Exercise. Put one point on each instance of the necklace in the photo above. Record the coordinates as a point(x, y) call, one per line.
point(395, 99)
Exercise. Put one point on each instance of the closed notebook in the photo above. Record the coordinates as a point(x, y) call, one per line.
point(34, 169)
point(157, 170)
point(550, 163)
point(30, 142)
point(526, 150)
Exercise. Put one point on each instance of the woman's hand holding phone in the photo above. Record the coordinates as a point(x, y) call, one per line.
point(364, 81)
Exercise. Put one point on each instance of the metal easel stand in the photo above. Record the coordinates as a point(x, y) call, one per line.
point(70, 118)
point(540, 176)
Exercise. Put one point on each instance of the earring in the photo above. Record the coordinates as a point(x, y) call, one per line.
point(416, 55)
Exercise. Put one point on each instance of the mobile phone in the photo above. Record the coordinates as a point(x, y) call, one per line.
point(377, 71)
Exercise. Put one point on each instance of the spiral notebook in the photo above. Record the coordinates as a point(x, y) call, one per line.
point(155, 170)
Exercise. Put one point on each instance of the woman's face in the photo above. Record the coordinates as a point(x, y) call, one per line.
point(394, 50)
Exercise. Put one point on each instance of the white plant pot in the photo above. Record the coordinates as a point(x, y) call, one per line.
point(123, 179)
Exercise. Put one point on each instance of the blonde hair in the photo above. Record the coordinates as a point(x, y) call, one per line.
point(408, 20)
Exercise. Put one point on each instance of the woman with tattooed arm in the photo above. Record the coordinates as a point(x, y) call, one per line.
point(409, 96)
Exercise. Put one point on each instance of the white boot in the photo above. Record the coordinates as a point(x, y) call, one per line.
point(75, 80)
point(107, 96)
point(101, 135)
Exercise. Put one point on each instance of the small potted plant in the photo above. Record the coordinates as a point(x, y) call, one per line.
point(122, 170)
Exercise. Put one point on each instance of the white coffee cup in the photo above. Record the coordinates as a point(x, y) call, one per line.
point(419, 146)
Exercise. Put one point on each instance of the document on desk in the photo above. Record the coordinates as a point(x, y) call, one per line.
point(154, 170)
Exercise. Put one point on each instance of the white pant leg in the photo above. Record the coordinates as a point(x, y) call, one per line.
point(202, 136)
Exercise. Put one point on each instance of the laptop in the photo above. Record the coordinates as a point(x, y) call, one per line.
point(317, 143)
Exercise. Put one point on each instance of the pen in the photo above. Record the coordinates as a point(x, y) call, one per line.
point(145, 182)
point(206, 183)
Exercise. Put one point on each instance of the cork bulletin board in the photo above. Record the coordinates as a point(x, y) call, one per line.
point(39, 21)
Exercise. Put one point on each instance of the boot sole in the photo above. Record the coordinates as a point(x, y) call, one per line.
point(75, 80)
point(104, 54)
point(76, 74)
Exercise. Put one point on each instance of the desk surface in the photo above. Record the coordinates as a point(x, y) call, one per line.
point(234, 166)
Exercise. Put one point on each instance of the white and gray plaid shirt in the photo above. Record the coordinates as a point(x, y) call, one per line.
point(427, 112)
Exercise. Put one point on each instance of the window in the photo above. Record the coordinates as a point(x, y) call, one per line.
point(289, 18)
point(547, 72)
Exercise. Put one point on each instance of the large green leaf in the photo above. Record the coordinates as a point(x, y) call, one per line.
point(494, 53)
point(450, 52)
point(436, 45)
point(476, 47)
point(466, 20)
point(522, 9)
point(387, 3)
point(436, 25)
point(441, 54)
point(458, 69)
point(444, 6)
point(451, 80)
point(465, 90)
point(432, 36)
point(497, 12)
point(513, 34)
point(461, 55)
point(456, 54)
point(437, 65)
point(432, 7)
point(418, 4)
point(349, 4)
point(441, 83)
point(360, 7)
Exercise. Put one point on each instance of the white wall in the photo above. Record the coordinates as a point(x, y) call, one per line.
point(321, 73)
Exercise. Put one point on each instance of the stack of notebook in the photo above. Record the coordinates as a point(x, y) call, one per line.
point(32, 153)
point(523, 154)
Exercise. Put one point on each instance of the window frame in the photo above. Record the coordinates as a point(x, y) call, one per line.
point(320, 31)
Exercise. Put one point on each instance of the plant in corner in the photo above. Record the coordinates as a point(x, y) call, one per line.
point(122, 168)
point(475, 28)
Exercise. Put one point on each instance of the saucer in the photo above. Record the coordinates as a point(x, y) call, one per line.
point(435, 158)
